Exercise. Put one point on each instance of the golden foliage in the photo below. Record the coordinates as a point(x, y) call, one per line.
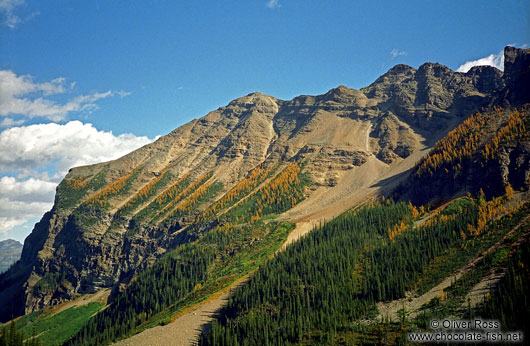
point(513, 130)
point(414, 210)
point(465, 140)
point(175, 197)
point(172, 191)
point(397, 229)
point(460, 143)
point(404, 224)
point(279, 190)
point(79, 183)
point(192, 199)
point(145, 190)
point(100, 197)
point(509, 192)
point(438, 218)
point(488, 211)
point(244, 187)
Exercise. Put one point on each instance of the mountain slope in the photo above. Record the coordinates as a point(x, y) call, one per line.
point(327, 288)
point(10, 251)
point(113, 219)
point(490, 151)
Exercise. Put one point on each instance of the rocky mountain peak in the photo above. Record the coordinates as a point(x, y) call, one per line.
point(516, 59)
point(255, 99)
point(486, 78)
point(484, 70)
point(394, 76)
point(401, 69)
point(342, 95)
point(340, 90)
point(434, 71)
point(517, 74)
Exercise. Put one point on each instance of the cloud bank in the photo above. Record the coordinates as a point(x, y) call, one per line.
point(28, 148)
point(35, 158)
point(20, 95)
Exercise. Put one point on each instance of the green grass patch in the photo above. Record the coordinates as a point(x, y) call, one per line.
point(56, 329)
point(68, 196)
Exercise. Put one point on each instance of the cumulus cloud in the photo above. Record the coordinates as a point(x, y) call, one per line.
point(30, 148)
point(272, 4)
point(495, 60)
point(29, 153)
point(21, 200)
point(27, 190)
point(21, 95)
point(396, 52)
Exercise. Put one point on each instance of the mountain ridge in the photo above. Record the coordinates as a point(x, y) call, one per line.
point(84, 243)
point(10, 251)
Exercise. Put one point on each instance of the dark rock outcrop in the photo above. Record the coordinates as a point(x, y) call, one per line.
point(517, 75)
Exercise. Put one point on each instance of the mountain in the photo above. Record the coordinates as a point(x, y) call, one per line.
point(487, 153)
point(259, 156)
point(10, 251)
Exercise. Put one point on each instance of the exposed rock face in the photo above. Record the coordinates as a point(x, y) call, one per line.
point(10, 251)
point(508, 166)
point(79, 248)
point(517, 75)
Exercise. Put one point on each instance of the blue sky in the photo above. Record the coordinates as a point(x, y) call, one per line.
point(119, 73)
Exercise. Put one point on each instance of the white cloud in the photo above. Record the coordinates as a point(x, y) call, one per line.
point(9, 122)
point(15, 212)
point(495, 60)
point(8, 223)
point(20, 95)
point(32, 152)
point(396, 52)
point(22, 200)
point(32, 190)
point(272, 4)
point(30, 148)
point(7, 9)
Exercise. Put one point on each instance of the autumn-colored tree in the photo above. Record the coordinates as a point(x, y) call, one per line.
point(79, 183)
point(509, 192)
point(100, 198)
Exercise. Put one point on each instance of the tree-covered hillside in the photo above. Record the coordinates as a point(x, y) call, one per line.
point(324, 289)
point(490, 151)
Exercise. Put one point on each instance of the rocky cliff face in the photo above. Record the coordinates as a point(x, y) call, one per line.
point(114, 218)
point(517, 75)
point(489, 154)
